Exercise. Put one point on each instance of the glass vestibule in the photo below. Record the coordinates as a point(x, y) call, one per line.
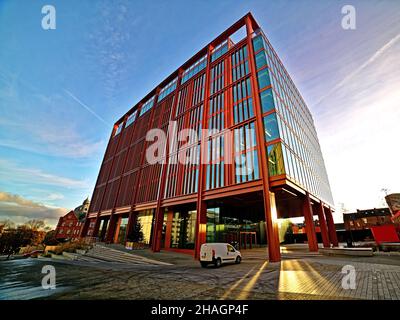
point(183, 230)
point(243, 226)
point(123, 224)
point(145, 220)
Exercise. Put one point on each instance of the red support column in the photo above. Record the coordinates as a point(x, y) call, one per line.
point(201, 226)
point(310, 229)
point(159, 212)
point(323, 226)
point(331, 227)
point(96, 228)
point(114, 238)
point(157, 232)
point(111, 229)
point(274, 253)
point(201, 207)
point(168, 230)
point(131, 223)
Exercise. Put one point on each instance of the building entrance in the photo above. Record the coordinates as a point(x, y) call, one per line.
point(243, 227)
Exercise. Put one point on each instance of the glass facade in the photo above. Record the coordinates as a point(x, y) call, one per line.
point(287, 118)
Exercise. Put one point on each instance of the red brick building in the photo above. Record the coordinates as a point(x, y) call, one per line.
point(69, 227)
point(365, 219)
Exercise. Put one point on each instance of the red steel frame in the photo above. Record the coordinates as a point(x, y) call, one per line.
point(230, 188)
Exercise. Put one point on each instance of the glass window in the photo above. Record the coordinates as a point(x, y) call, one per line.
point(261, 60)
point(267, 100)
point(246, 160)
point(258, 43)
point(118, 130)
point(145, 223)
point(275, 160)
point(194, 69)
point(147, 106)
point(131, 118)
point(271, 127)
point(263, 79)
point(219, 50)
point(183, 230)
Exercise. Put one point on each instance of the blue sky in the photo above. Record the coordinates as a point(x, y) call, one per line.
point(106, 55)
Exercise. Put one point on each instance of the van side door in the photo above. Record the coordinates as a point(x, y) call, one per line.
point(230, 253)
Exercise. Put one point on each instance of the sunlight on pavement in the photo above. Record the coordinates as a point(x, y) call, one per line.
point(320, 283)
point(246, 290)
point(236, 284)
point(289, 278)
point(301, 277)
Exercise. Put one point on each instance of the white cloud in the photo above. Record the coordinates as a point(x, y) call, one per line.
point(54, 196)
point(10, 172)
point(19, 209)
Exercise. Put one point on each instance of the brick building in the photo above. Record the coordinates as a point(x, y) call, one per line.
point(70, 225)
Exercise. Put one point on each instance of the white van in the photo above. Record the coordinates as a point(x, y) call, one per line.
point(218, 253)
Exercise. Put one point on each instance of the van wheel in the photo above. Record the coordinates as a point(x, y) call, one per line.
point(203, 264)
point(238, 259)
point(217, 262)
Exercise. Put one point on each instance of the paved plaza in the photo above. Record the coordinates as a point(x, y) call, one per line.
point(300, 275)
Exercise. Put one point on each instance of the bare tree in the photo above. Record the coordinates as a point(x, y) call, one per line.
point(7, 224)
point(35, 225)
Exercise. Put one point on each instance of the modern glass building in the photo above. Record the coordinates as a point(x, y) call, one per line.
point(252, 156)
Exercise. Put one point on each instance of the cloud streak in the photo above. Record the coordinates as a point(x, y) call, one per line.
point(84, 105)
point(11, 172)
point(372, 59)
point(19, 209)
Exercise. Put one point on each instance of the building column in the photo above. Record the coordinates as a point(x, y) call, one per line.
point(310, 228)
point(331, 227)
point(274, 254)
point(323, 226)
point(131, 223)
point(157, 232)
point(201, 227)
point(84, 229)
point(96, 228)
point(168, 230)
point(111, 228)
point(114, 239)
point(274, 249)
point(201, 206)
